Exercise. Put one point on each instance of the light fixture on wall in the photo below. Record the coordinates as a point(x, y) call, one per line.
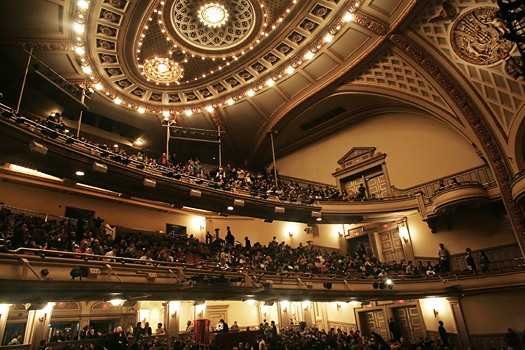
point(340, 234)
point(338, 306)
point(290, 234)
point(116, 302)
point(436, 312)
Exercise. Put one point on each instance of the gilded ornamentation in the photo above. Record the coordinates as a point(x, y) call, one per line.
point(477, 37)
point(238, 23)
point(501, 171)
point(371, 24)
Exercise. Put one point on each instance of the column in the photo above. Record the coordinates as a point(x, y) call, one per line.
point(461, 326)
point(172, 319)
point(4, 312)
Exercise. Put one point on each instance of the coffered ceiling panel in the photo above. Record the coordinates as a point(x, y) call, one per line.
point(348, 43)
point(387, 7)
point(32, 20)
point(59, 61)
point(321, 66)
point(269, 101)
point(293, 85)
point(199, 121)
point(246, 122)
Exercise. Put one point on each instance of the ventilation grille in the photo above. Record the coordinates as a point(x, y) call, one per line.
point(325, 117)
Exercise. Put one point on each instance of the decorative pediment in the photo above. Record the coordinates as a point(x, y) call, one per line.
point(356, 152)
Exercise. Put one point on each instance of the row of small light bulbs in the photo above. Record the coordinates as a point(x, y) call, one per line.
point(233, 57)
point(79, 28)
point(347, 17)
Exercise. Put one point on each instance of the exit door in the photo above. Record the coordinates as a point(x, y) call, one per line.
point(391, 246)
point(409, 322)
point(374, 321)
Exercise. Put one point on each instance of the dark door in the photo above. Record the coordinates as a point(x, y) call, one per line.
point(409, 322)
point(391, 246)
point(374, 321)
point(353, 243)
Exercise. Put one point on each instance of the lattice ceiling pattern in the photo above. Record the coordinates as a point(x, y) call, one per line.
point(392, 71)
point(503, 94)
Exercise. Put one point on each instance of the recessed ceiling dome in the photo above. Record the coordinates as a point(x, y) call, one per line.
point(213, 25)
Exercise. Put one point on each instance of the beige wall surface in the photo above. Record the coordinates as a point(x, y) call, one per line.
point(418, 149)
point(55, 203)
point(259, 231)
point(478, 229)
point(240, 311)
point(345, 314)
point(494, 312)
point(442, 306)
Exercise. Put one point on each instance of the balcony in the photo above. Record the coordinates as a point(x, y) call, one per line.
point(459, 198)
point(38, 275)
point(518, 188)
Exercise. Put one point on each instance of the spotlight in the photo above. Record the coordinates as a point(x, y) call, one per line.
point(389, 281)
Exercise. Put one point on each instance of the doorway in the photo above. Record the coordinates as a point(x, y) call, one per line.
point(409, 322)
point(374, 321)
point(391, 246)
point(352, 245)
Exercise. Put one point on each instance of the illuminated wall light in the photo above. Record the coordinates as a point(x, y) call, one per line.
point(328, 38)
point(139, 142)
point(289, 70)
point(117, 101)
point(250, 301)
point(230, 101)
point(270, 82)
point(116, 302)
point(251, 92)
point(79, 28)
point(188, 112)
point(309, 55)
point(209, 109)
point(86, 70)
point(141, 110)
point(83, 4)
point(80, 50)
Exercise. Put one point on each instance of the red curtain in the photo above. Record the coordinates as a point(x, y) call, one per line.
point(200, 330)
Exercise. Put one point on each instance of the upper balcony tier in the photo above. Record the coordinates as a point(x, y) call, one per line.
point(458, 198)
point(27, 143)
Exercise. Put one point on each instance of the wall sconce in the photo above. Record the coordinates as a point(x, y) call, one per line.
point(290, 234)
point(338, 306)
point(436, 312)
point(174, 314)
point(340, 234)
point(285, 310)
point(42, 317)
point(201, 228)
point(405, 239)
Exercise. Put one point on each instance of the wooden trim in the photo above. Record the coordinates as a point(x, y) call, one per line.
point(460, 255)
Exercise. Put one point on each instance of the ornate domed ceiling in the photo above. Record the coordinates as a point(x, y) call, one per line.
point(171, 56)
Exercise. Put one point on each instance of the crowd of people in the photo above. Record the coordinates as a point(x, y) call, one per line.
point(261, 184)
point(228, 254)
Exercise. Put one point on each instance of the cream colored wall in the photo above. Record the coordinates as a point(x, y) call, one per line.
point(478, 229)
point(494, 312)
point(418, 149)
point(345, 314)
point(240, 311)
point(55, 203)
point(445, 314)
point(259, 231)
point(185, 314)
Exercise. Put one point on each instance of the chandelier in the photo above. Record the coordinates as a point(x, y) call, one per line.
point(162, 70)
point(213, 14)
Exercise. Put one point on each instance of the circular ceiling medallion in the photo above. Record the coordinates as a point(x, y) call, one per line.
point(213, 15)
point(211, 25)
point(162, 70)
point(477, 37)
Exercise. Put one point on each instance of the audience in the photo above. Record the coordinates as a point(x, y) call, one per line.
point(259, 184)
point(22, 231)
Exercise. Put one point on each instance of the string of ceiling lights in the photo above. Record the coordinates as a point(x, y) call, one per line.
point(79, 27)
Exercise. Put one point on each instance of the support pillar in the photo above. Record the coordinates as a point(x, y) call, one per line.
point(461, 326)
point(4, 313)
point(171, 319)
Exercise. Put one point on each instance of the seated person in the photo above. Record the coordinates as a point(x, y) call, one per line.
point(235, 327)
point(189, 327)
